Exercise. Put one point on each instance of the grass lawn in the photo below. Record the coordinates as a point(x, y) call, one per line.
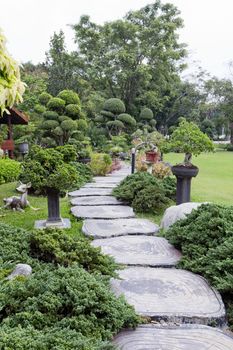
point(214, 183)
point(26, 220)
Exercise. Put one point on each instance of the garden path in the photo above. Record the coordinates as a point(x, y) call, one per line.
point(178, 304)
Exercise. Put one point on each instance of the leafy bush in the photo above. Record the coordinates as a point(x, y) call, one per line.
point(146, 114)
point(169, 185)
point(44, 98)
point(62, 306)
point(206, 241)
point(51, 115)
point(229, 147)
point(114, 105)
point(161, 170)
point(39, 108)
point(84, 171)
point(143, 191)
point(49, 124)
point(100, 163)
point(9, 170)
point(73, 111)
point(69, 96)
point(68, 125)
point(56, 104)
point(127, 119)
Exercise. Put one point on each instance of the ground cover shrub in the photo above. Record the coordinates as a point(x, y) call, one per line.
point(206, 241)
point(100, 163)
point(9, 170)
point(61, 305)
point(144, 192)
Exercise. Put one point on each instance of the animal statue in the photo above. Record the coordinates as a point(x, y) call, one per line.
point(21, 202)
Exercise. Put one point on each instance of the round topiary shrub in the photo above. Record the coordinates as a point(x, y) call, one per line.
point(70, 97)
point(56, 104)
point(50, 115)
point(39, 109)
point(73, 111)
point(99, 119)
point(114, 105)
point(127, 119)
point(68, 125)
point(44, 98)
point(107, 114)
point(82, 125)
point(146, 114)
point(61, 118)
point(116, 124)
point(49, 124)
point(58, 131)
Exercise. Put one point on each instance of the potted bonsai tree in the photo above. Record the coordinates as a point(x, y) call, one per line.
point(189, 139)
point(49, 172)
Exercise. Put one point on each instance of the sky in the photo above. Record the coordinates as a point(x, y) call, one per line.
point(208, 27)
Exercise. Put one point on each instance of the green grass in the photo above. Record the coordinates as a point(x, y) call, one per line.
point(214, 183)
point(27, 219)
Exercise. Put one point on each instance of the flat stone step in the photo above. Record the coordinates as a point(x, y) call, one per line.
point(139, 250)
point(170, 294)
point(108, 179)
point(115, 228)
point(103, 212)
point(99, 185)
point(95, 200)
point(190, 337)
point(83, 192)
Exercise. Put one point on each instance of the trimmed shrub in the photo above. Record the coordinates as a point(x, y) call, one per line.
point(99, 119)
point(127, 119)
point(229, 148)
point(73, 111)
point(206, 241)
point(116, 124)
point(114, 105)
point(49, 124)
point(70, 97)
point(146, 114)
point(150, 199)
point(44, 98)
point(100, 163)
point(107, 114)
point(161, 170)
point(82, 125)
point(68, 125)
point(61, 118)
point(50, 115)
point(56, 104)
point(9, 170)
point(39, 109)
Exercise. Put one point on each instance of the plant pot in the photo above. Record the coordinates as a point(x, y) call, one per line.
point(152, 156)
point(184, 175)
point(23, 147)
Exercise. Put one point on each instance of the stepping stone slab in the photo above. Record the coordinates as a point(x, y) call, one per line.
point(108, 179)
point(99, 185)
point(115, 228)
point(95, 200)
point(103, 212)
point(168, 338)
point(170, 294)
point(83, 192)
point(139, 250)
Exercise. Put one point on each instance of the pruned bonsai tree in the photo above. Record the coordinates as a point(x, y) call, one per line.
point(49, 171)
point(189, 139)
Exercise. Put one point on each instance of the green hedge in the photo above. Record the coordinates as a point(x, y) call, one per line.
point(9, 170)
point(66, 303)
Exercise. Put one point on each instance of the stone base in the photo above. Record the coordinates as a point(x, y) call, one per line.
point(42, 224)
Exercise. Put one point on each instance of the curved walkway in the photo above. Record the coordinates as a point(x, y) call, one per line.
point(180, 306)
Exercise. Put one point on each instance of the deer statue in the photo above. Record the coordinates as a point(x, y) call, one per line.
point(19, 203)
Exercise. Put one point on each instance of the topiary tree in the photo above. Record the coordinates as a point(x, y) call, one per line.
point(44, 98)
point(49, 171)
point(189, 139)
point(56, 104)
point(114, 118)
point(11, 87)
point(70, 97)
point(146, 119)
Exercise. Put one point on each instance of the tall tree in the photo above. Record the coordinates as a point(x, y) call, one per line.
point(134, 59)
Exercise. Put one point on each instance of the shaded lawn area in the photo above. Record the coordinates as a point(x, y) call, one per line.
point(214, 183)
point(26, 220)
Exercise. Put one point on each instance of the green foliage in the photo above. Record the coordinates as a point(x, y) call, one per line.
point(84, 171)
point(73, 111)
point(44, 98)
point(114, 105)
point(68, 152)
point(50, 115)
point(100, 163)
point(127, 119)
point(9, 170)
point(49, 124)
point(206, 241)
point(82, 125)
point(189, 139)
point(54, 246)
point(56, 104)
point(68, 125)
point(39, 108)
point(169, 184)
point(70, 97)
point(144, 192)
point(146, 114)
point(61, 304)
point(115, 124)
point(229, 148)
point(46, 169)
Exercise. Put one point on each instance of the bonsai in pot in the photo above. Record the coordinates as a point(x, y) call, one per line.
point(189, 139)
point(49, 172)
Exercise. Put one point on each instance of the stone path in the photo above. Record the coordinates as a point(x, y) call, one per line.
point(150, 282)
